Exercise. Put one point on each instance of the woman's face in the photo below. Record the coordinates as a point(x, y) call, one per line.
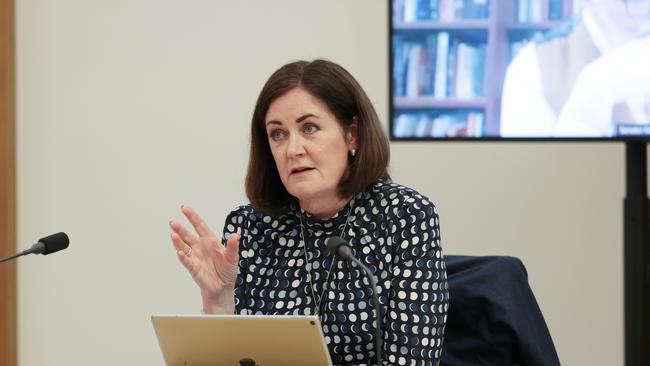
point(309, 146)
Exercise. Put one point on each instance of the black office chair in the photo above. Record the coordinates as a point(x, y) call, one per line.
point(493, 316)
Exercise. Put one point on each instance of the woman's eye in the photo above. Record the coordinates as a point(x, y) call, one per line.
point(309, 129)
point(276, 134)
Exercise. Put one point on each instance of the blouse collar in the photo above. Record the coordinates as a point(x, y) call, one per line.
point(314, 223)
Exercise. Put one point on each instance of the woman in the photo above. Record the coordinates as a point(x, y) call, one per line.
point(318, 168)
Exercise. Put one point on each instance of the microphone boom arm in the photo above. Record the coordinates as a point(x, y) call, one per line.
point(340, 249)
point(375, 300)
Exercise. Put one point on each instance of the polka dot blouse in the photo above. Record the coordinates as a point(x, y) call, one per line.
point(285, 268)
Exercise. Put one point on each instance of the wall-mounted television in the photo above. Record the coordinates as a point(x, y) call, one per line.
point(519, 69)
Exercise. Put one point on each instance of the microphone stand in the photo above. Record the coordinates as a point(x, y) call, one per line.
point(37, 248)
point(11, 257)
point(340, 249)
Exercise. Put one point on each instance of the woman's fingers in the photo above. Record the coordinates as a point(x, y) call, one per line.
point(179, 244)
point(182, 232)
point(197, 222)
point(182, 254)
point(203, 255)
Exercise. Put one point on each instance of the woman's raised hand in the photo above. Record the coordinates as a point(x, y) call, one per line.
point(212, 265)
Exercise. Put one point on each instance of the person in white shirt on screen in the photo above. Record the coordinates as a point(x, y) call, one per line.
point(581, 83)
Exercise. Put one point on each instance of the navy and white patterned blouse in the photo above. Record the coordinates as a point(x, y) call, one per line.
point(394, 231)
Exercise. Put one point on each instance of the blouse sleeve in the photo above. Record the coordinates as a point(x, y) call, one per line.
point(237, 222)
point(418, 296)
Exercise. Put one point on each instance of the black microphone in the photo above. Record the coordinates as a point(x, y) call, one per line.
point(341, 250)
point(47, 245)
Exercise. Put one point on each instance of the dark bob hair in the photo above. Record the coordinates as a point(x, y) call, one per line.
point(342, 94)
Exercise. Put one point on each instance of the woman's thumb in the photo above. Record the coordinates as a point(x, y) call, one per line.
point(232, 248)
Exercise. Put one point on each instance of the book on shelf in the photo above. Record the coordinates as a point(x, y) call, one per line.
point(413, 73)
point(451, 10)
point(442, 56)
point(450, 124)
point(400, 58)
point(533, 11)
point(410, 11)
point(555, 10)
point(529, 11)
point(438, 65)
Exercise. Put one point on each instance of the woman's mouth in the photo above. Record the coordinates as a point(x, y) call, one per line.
point(300, 170)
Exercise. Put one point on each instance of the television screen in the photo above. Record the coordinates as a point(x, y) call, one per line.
point(520, 69)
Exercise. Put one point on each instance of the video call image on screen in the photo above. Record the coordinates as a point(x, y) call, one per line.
point(540, 69)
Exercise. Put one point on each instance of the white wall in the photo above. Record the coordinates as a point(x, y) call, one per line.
point(126, 109)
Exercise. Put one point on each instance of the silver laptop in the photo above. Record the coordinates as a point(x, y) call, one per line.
point(241, 340)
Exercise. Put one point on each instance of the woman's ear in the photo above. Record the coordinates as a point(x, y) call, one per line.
point(352, 136)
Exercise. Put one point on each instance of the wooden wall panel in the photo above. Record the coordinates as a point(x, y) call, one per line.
point(7, 184)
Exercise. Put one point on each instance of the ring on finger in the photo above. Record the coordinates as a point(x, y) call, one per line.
point(189, 252)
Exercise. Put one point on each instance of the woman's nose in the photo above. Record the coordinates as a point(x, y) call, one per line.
point(296, 145)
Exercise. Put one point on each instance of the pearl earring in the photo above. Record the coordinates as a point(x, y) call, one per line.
point(353, 152)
